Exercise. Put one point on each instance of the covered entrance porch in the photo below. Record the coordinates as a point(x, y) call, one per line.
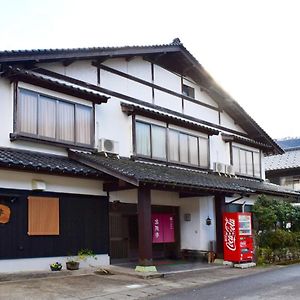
point(198, 196)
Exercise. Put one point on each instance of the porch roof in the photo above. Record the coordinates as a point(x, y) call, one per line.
point(140, 172)
point(45, 163)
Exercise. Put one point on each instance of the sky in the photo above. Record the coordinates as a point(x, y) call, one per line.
point(251, 48)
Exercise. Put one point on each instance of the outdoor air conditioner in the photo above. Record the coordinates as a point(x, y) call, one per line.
point(229, 169)
point(219, 167)
point(108, 146)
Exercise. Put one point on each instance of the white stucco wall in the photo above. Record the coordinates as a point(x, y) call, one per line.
point(195, 234)
point(219, 150)
point(112, 123)
point(62, 184)
point(228, 122)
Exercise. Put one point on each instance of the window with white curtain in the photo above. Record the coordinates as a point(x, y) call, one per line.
point(53, 119)
point(158, 135)
point(153, 141)
point(246, 162)
point(143, 139)
point(173, 145)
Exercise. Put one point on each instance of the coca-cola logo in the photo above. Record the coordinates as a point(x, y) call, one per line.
point(229, 235)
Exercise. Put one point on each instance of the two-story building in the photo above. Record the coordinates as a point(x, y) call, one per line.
point(133, 152)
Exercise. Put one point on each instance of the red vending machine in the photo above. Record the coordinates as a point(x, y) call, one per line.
point(238, 240)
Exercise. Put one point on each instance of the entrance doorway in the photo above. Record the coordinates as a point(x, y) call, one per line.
point(123, 231)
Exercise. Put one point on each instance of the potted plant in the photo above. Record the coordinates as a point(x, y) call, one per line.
point(56, 266)
point(82, 255)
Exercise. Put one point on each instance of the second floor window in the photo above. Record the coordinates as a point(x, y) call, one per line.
point(246, 162)
point(53, 119)
point(188, 91)
point(176, 146)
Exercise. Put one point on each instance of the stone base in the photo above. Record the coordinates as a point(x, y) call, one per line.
point(218, 261)
point(145, 269)
point(228, 263)
point(245, 265)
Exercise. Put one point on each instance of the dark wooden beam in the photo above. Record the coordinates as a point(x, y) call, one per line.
point(134, 100)
point(155, 86)
point(145, 226)
point(67, 62)
point(117, 186)
point(99, 61)
point(102, 168)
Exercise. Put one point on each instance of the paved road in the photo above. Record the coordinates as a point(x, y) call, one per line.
point(282, 283)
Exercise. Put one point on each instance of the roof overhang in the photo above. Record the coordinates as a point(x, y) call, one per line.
point(173, 56)
point(18, 74)
point(131, 109)
point(184, 180)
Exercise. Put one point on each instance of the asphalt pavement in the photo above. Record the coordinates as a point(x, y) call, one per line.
point(279, 283)
point(86, 284)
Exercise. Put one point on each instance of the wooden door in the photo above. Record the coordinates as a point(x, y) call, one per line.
point(118, 231)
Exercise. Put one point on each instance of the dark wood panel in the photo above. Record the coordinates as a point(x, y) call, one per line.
point(83, 224)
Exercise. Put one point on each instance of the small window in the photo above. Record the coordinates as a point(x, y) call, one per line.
point(43, 216)
point(188, 91)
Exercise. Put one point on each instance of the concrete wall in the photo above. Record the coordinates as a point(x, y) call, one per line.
point(43, 263)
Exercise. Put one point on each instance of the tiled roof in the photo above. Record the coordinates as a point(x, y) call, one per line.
point(42, 162)
point(174, 176)
point(12, 72)
point(179, 59)
point(289, 160)
point(288, 144)
point(13, 55)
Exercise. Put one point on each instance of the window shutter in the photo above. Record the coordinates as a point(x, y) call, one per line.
point(43, 216)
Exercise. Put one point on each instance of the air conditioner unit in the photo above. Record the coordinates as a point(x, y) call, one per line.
point(219, 167)
point(108, 146)
point(229, 169)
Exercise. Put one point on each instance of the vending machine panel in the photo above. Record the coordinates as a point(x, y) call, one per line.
point(238, 239)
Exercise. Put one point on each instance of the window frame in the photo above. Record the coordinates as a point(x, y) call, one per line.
point(167, 145)
point(188, 91)
point(18, 134)
point(245, 151)
point(151, 151)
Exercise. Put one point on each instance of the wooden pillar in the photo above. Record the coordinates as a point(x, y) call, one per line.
point(220, 209)
point(145, 226)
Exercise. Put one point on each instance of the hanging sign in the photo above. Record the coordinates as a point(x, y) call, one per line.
point(163, 228)
point(4, 213)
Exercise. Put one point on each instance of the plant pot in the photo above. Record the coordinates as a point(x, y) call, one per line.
point(72, 265)
point(56, 268)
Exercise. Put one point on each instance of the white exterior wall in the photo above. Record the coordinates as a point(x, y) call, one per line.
point(219, 150)
point(54, 183)
point(112, 123)
point(228, 122)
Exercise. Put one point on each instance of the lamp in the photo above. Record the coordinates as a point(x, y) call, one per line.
point(208, 221)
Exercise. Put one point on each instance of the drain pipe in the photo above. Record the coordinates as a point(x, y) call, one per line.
point(243, 206)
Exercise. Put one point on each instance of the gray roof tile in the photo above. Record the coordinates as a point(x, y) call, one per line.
point(50, 163)
point(181, 177)
point(289, 160)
